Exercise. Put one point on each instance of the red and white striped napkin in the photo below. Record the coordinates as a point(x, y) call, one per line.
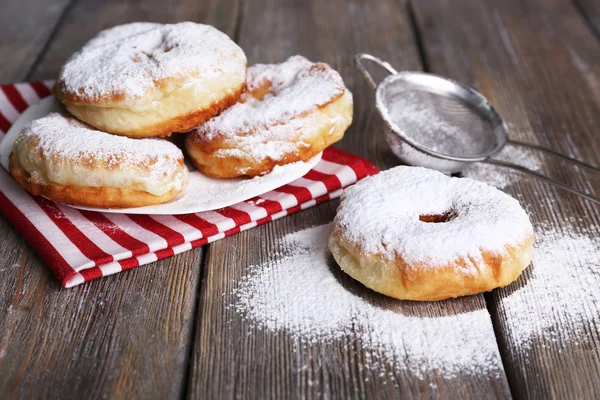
point(79, 246)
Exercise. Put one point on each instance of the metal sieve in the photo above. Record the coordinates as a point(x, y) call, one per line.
point(438, 123)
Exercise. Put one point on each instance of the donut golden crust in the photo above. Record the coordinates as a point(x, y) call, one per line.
point(148, 79)
point(50, 159)
point(291, 112)
point(416, 234)
point(102, 197)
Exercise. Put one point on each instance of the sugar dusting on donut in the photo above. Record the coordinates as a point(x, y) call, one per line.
point(264, 123)
point(63, 143)
point(295, 86)
point(427, 217)
point(130, 59)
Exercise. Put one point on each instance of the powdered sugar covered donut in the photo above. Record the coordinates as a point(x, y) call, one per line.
point(68, 161)
point(147, 79)
point(291, 112)
point(417, 234)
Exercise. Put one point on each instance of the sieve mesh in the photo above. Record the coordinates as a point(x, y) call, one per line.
point(438, 123)
point(441, 123)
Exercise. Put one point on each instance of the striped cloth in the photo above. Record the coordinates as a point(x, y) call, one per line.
point(79, 246)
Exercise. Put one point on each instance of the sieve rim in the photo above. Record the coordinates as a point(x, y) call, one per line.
point(468, 96)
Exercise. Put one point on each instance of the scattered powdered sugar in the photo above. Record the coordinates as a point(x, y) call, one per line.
point(266, 122)
point(300, 293)
point(129, 59)
point(479, 217)
point(502, 177)
point(562, 296)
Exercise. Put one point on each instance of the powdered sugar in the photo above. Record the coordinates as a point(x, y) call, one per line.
point(305, 294)
point(501, 177)
point(562, 296)
point(443, 124)
point(255, 148)
point(276, 77)
point(267, 121)
point(71, 152)
point(417, 115)
point(130, 59)
point(59, 135)
point(449, 127)
point(482, 217)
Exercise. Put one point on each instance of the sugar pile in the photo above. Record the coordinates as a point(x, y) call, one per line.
point(300, 293)
point(562, 297)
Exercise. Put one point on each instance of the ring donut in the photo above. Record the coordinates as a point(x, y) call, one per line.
point(50, 158)
point(417, 234)
point(291, 112)
point(146, 79)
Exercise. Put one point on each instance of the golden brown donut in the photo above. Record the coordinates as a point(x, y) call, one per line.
point(146, 79)
point(291, 112)
point(65, 160)
point(417, 234)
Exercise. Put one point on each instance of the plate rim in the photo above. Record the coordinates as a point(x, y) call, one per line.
point(51, 104)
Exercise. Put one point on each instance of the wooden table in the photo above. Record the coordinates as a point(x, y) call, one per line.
point(165, 331)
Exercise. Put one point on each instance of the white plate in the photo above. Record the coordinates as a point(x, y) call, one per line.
point(201, 193)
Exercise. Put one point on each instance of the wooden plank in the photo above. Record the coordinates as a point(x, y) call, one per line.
point(89, 17)
point(539, 64)
point(26, 26)
point(124, 336)
point(591, 11)
point(233, 356)
point(119, 337)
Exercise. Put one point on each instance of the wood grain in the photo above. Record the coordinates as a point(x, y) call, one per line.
point(124, 336)
point(26, 27)
point(129, 335)
point(119, 337)
point(538, 63)
point(591, 12)
point(233, 358)
point(86, 18)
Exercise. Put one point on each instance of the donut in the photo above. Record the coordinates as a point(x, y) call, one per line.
point(417, 234)
point(291, 112)
point(146, 79)
point(65, 160)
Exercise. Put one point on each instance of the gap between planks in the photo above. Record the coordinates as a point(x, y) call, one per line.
point(59, 22)
point(426, 67)
point(283, 43)
point(590, 12)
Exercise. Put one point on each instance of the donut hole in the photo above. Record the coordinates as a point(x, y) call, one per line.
point(262, 91)
point(438, 218)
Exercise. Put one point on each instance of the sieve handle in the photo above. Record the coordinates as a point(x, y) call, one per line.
point(358, 61)
point(554, 153)
point(545, 178)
